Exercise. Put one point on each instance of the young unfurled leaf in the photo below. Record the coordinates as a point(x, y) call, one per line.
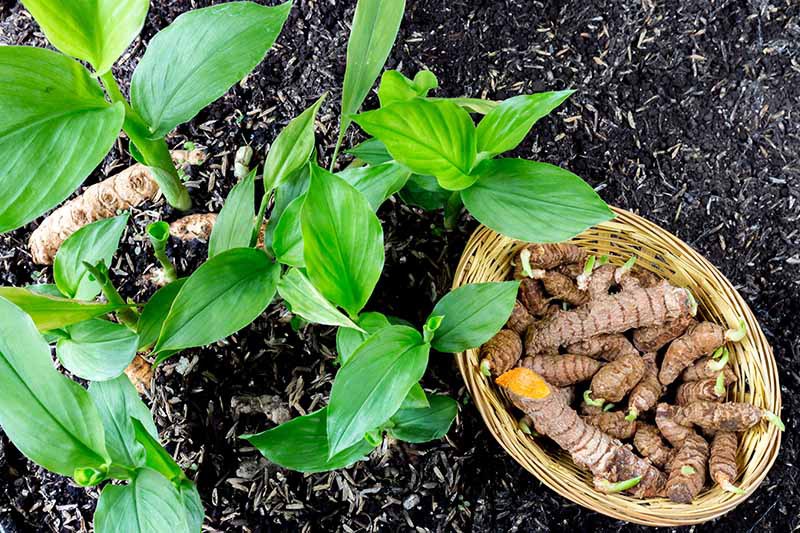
point(175, 78)
point(97, 32)
point(428, 137)
point(305, 300)
point(375, 27)
point(376, 183)
point(117, 402)
point(291, 148)
point(156, 457)
point(155, 312)
point(221, 297)
point(343, 241)
point(288, 237)
point(149, 503)
point(48, 417)
point(534, 202)
point(397, 88)
point(348, 339)
point(473, 314)
point(505, 126)
point(373, 383)
point(49, 312)
point(92, 243)
point(236, 220)
point(372, 152)
point(425, 192)
point(292, 187)
point(302, 444)
point(423, 424)
point(55, 128)
point(97, 349)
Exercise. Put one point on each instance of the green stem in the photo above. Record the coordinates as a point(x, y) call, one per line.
point(154, 151)
point(610, 488)
point(587, 397)
point(125, 315)
point(262, 211)
point(159, 235)
point(486, 368)
point(342, 129)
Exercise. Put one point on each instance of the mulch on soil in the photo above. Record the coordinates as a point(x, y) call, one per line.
point(686, 113)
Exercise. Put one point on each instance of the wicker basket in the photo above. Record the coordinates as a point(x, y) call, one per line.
point(488, 257)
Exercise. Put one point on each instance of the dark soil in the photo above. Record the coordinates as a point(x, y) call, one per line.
point(686, 112)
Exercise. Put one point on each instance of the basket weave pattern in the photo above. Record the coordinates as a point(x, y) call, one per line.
point(488, 257)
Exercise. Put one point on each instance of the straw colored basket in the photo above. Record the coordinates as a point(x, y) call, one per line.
point(488, 257)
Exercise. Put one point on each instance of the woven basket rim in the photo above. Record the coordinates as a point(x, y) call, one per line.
point(752, 359)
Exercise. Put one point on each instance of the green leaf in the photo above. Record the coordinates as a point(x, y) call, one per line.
point(505, 126)
point(97, 350)
point(155, 312)
point(302, 444)
point(473, 314)
point(376, 183)
point(50, 313)
point(424, 424)
point(293, 186)
point(236, 220)
point(343, 241)
point(156, 457)
point(397, 88)
point(116, 402)
point(55, 128)
point(373, 383)
point(473, 105)
point(288, 237)
point(48, 417)
point(305, 300)
point(428, 137)
point(348, 339)
point(534, 202)
point(148, 504)
point(425, 192)
point(221, 297)
point(372, 152)
point(176, 78)
point(375, 27)
point(192, 505)
point(97, 32)
point(291, 148)
point(45, 289)
point(415, 399)
point(92, 243)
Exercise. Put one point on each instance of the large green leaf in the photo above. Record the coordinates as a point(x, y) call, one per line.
point(92, 243)
point(236, 221)
point(302, 444)
point(423, 424)
point(97, 31)
point(436, 138)
point(291, 148)
point(287, 241)
point(533, 201)
point(97, 350)
point(49, 312)
point(155, 312)
point(505, 126)
point(376, 183)
point(55, 128)
point(148, 504)
point(305, 300)
point(473, 314)
point(348, 339)
point(177, 77)
point(343, 241)
point(49, 418)
point(371, 387)
point(117, 402)
point(221, 297)
point(375, 27)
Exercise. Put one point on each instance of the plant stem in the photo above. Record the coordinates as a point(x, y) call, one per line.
point(154, 151)
point(262, 210)
point(126, 315)
point(159, 235)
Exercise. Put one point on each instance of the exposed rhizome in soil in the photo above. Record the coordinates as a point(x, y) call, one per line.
point(686, 113)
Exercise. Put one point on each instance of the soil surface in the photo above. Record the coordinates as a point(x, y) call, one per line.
point(686, 112)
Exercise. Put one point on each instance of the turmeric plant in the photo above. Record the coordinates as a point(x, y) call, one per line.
point(60, 124)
